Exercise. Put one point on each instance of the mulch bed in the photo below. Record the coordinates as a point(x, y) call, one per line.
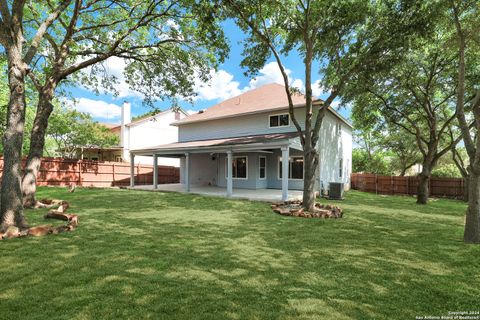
point(295, 209)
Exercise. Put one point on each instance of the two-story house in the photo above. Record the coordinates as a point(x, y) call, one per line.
point(249, 141)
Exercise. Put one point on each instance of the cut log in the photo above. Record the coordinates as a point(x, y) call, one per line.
point(71, 218)
point(11, 232)
point(40, 231)
point(64, 205)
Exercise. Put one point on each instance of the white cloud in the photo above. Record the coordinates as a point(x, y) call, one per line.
point(220, 86)
point(268, 74)
point(317, 90)
point(298, 83)
point(115, 66)
point(97, 108)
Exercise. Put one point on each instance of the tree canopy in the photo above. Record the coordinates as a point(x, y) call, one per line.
point(71, 129)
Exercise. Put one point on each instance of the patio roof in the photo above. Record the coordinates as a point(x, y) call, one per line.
point(245, 143)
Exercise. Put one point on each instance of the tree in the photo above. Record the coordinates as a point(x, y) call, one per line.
point(3, 99)
point(464, 15)
point(459, 157)
point(347, 38)
point(29, 112)
point(20, 48)
point(386, 149)
point(71, 129)
point(416, 95)
point(166, 44)
point(378, 162)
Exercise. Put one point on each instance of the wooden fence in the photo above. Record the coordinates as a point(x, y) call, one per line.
point(64, 172)
point(439, 187)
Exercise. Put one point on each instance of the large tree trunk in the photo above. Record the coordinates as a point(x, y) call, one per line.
point(472, 220)
point(11, 211)
point(423, 185)
point(466, 184)
point(310, 169)
point(37, 143)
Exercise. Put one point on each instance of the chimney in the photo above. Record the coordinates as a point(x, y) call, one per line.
point(125, 130)
point(126, 113)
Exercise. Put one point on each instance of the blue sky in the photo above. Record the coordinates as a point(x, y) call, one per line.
point(226, 82)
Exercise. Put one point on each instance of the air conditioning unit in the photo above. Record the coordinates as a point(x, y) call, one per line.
point(335, 191)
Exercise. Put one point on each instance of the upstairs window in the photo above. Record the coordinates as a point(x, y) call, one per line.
point(279, 120)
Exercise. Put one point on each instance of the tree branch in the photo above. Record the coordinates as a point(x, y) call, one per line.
point(43, 29)
point(469, 144)
point(266, 40)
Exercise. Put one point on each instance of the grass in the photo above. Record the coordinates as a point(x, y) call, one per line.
point(166, 255)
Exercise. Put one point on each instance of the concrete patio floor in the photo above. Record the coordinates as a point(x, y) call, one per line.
point(268, 195)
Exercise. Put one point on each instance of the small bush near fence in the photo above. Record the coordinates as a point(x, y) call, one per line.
point(439, 187)
point(65, 172)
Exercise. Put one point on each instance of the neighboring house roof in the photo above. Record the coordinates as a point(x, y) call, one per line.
point(270, 97)
point(138, 121)
point(108, 125)
point(264, 140)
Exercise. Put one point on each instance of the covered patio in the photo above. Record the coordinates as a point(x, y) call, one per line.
point(269, 195)
point(216, 159)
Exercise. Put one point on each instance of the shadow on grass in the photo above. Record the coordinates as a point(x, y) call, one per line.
point(153, 255)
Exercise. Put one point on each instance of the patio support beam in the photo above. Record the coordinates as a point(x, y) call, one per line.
point(132, 170)
point(155, 171)
point(187, 171)
point(285, 165)
point(229, 174)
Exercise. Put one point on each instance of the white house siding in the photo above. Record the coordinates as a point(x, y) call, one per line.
point(246, 125)
point(332, 148)
point(152, 132)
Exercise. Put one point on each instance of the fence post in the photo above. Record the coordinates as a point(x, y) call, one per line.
point(391, 184)
point(113, 174)
point(79, 163)
point(430, 191)
point(376, 184)
point(139, 179)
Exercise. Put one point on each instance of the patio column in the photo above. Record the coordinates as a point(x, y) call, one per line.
point(155, 171)
point(229, 174)
point(187, 171)
point(285, 165)
point(132, 170)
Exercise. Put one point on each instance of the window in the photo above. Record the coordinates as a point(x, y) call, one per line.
point(340, 168)
point(262, 165)
point(239, 167)
point(338, 129)
point(295, 168)
point(279, 120)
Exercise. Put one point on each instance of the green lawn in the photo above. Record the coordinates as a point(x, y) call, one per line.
point(165, 255)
